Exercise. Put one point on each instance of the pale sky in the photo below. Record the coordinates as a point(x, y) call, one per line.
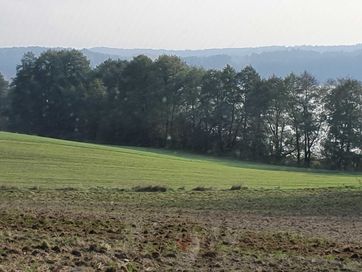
point(179, 24)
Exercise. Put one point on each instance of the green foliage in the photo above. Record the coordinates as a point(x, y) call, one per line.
point(50, 94)
point(3, 102)
point(344, 142)
point(165, 103)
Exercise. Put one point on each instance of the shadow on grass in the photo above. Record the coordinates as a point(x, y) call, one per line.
point(233, 162)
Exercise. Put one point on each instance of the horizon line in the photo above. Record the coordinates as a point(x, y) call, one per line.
point(187, 49)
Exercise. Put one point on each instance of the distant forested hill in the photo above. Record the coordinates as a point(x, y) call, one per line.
point(324, 62)
point(11, 57)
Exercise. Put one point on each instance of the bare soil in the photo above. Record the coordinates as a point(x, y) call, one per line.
point(70, 230)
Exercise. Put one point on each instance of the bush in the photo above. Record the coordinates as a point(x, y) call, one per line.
point(67, 189)
point(150, 188)
point(235, 187)
point(201, 189)
point(238, 187)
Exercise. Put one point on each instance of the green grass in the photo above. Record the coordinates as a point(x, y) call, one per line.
point(36, 161)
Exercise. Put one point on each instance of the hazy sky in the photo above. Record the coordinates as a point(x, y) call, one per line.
point(179, 24)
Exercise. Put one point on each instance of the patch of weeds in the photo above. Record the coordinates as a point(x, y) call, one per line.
point(34, 267)
point(76, 253)
point(8, 188)
point(223, 248)
point(2, 251)
point(170, 248)
point(67, 189)
point(330, 257)
point(150, 188)
point(111, 269)
point(350, 187)
point(44, 245)
point(119, 190)
point(238, 187)
point(97, 189)
point(130, 267)
point(235, 187)
point(69, 241)
point(102, 248)
point(201, 189)
point(280, 254)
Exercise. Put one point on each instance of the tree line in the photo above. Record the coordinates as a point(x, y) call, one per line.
point(165, 103)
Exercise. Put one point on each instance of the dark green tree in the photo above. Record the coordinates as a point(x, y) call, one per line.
point(23, 103)
point(343, 144)
point(307, 114)
point(140, 113)
point(210, 109)
point(186, 130)
point(232, 106)
point(171, 73)
point(111, 76)
point(93, 110)
point(3, 102)
point(49, 93)
point(253, 143)
point(279, 121)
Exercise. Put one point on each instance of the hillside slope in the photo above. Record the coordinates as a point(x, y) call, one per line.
point(36, 161)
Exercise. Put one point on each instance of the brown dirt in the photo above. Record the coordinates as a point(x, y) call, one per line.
point(53, 232)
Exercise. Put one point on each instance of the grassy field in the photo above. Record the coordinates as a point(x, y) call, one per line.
point(36, 161)
point(68, 206)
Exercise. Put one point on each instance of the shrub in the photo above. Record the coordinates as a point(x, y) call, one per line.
point(150, 188)
point(235, 187)
point(67, 189)
point(238, 187)
point(201, 189)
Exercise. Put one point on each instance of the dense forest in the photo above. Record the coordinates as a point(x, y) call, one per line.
point(165, 103)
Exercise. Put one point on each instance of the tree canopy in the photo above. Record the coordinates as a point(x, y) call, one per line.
point(166, 103)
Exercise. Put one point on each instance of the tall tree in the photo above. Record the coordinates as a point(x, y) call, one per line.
point(255, 92)
point(140, 104)
point(279, 121)
point(171, 72)
point(3, 102)
point(111, 75)
point(306, 110)
point(23, 102)
point(211, 104)
point(232, 106)
point(188, 120)
point(93, 110)
point(343, 144)
point(291, 83)
point(49, 93)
